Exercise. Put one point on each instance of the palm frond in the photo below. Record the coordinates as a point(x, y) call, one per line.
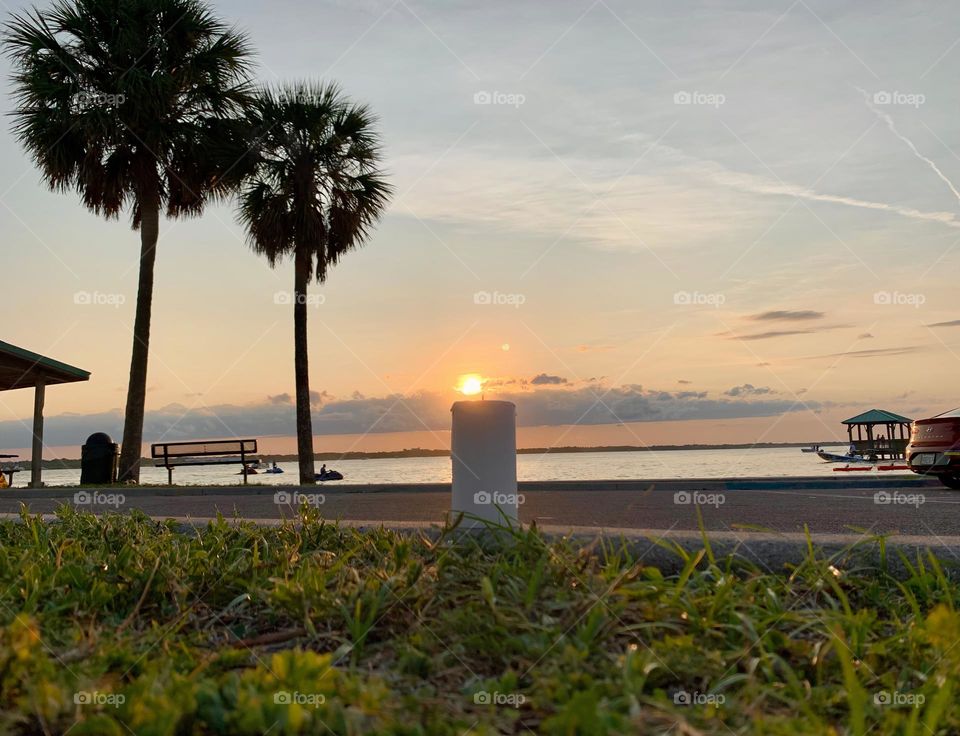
point(115, 97)
point(319, 155)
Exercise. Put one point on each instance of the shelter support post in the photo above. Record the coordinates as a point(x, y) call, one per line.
point(36, 457)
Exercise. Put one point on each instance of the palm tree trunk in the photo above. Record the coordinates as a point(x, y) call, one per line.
point(301, 369)
point(137, 389)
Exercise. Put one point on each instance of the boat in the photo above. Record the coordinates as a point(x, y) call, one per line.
point(812, 448)
point(329, 475)
point(273, 471)
point(848, 458)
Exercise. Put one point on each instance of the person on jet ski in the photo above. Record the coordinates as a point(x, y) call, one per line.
point(275, 466)
point(323, 469)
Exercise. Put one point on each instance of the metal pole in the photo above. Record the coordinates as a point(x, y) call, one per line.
point(36, 457)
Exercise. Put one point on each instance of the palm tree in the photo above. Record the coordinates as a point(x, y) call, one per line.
point(132, 104)
point(312, 191)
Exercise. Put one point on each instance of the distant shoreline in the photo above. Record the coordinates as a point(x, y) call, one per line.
point(73, 463)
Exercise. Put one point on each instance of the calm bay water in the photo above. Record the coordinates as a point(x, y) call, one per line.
point(772, 463)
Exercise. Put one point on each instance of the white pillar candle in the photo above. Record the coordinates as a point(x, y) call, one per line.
point(483, 445)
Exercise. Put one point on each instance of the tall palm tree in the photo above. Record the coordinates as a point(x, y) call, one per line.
point(132, 104)
point(312, 191)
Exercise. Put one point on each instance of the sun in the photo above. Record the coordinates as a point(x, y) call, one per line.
point(470, 385)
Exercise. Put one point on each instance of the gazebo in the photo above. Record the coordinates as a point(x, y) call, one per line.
point(890, 443)
point(21, 368)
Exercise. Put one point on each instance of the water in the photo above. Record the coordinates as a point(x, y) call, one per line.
point(755, 463)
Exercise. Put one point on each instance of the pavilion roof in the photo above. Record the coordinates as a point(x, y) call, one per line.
point(878, 416)
point(20, 368)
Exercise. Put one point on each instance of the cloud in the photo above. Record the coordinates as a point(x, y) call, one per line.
point(748, 389)
point(769, 335)
point(865, 336)
point(684, 381)
point(691, 394)
point(875, 353)
point(280, 399)
point(550, 406)
point(951, 323)
point(785, 315)
point(543, 379)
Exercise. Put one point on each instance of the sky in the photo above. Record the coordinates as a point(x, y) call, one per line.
point(644, 223)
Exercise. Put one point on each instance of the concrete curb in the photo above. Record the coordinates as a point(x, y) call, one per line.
point(803, 483)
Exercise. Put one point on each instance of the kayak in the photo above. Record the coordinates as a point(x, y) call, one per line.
point(330, 475)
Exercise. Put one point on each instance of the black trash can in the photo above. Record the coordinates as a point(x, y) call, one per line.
point(98, 460)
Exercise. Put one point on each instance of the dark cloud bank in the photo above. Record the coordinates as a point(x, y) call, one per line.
point(591, 405)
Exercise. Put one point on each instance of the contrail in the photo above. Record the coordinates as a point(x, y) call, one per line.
point(753, 184)
point(893, 129)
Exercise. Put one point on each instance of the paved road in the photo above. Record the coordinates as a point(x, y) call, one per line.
point(912, 508)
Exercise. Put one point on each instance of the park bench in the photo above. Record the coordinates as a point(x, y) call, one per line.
point(204, 452)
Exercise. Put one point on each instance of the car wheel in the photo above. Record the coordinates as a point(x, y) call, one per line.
point(951, 481)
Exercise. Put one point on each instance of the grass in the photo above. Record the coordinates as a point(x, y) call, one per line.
point(119, 625)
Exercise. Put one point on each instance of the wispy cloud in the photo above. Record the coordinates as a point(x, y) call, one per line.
point(786, 315)
point(875, 353)
point(768, 335)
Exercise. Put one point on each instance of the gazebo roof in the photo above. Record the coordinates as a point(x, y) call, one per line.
point(20, 368)
point(878, 416)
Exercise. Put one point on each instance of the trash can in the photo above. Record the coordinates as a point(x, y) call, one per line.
point(98, 460)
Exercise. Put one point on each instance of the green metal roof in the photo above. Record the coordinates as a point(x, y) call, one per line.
point(20, 368)
point(877, 416)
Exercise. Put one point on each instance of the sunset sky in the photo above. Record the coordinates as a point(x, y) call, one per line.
point(644, 224)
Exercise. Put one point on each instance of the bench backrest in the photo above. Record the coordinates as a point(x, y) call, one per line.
point(203, 448)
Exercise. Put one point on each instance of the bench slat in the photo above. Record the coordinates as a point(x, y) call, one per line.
point(229, 460)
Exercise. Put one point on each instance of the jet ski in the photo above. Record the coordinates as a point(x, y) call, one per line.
point(329, 475)
point(273, 470)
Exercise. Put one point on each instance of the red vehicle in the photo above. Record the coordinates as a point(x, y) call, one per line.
point(934, 448)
